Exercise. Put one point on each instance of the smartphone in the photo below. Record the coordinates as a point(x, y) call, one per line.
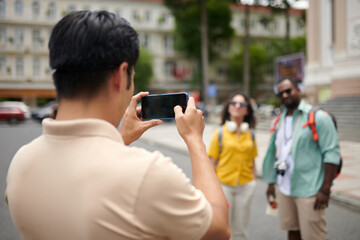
point(161, 106)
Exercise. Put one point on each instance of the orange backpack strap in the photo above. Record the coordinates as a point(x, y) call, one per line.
point(275, 123)
point(311, 123)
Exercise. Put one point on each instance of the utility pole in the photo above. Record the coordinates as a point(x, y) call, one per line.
point(204, 52)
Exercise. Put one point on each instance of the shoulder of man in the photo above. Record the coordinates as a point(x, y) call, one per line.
point(321, 114)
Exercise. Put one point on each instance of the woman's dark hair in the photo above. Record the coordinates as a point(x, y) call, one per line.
point(85, 49)
point(249, 118)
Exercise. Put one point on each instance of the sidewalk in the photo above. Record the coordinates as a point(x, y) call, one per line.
point(346, 188)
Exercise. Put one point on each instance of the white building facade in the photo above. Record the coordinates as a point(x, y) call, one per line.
point(333, 45)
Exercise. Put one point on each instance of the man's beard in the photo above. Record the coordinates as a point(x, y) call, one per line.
point(293, 104)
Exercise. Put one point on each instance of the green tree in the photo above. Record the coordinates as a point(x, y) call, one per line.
point(187, 25)
point(283, 47)
point(200, 24)
point(258, 64)
point(282, 7)
point(143, 70)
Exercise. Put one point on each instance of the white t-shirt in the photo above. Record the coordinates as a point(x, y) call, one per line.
point(79, 181)
point(284, 141)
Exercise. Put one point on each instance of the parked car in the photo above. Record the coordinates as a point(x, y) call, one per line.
point(45, 111)
point(25, 108)
point(11, 114)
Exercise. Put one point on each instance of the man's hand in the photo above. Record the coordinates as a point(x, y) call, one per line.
point(132, 126)
point(323, 195)
point(190, 124)
point(270, 192)
point(322, 200)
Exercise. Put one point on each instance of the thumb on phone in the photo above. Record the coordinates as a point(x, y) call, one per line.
point(178, 111)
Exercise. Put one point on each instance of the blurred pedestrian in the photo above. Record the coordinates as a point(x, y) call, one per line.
point(80, 179)
point(232, 151)
point(302, 168)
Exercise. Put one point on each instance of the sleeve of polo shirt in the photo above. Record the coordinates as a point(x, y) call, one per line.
point(168, 204)
point(213, 150)
point(328, 138)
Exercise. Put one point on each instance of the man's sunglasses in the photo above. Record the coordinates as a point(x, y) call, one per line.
point(287, 91)
point(242, 104)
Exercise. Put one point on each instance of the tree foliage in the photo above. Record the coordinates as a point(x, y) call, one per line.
point(258, 64)
point(187, 29)
point(143, 70)
point(262, 59)
point(281, 47)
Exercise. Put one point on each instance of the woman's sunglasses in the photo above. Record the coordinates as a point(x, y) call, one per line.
point(287, 91)
point(242, 104)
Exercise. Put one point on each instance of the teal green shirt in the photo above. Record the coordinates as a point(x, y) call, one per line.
point(309, 157)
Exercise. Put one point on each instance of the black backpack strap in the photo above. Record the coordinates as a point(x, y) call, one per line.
point(252, 134)
point(220, 133)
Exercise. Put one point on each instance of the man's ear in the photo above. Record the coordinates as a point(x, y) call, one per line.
point(119, 78)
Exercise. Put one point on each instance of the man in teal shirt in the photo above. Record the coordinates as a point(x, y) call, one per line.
point(302, 168)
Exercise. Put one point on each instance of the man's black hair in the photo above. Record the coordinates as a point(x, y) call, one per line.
point(86, 47)
point(293, 81)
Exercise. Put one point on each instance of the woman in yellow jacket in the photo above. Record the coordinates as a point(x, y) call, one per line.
point(233, 160)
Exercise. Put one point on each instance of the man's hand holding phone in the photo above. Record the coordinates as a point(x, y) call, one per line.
point(190, 124)
point(132, 126)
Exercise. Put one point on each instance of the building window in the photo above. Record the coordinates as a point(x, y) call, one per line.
point(18, 7)
point(168, 43)
point(3, 36)
point(19, 66)
point(2, 8)
point(135, 16)
point(144, 40)
point(19, 36)
point(163, 18)
point(169, 68)
point(35, 9)
point(51, 12)
point(36, 38)
point(2, 64)
point(37, 67)
point(222, 71)
point(148, 16)
point(71, 8)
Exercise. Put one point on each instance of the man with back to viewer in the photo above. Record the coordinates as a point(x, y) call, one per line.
point(309, 167)
point(80, 180)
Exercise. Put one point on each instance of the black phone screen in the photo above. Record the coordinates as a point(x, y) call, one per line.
point(161, 106)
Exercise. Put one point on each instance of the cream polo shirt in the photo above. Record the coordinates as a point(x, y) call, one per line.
point(79, 181)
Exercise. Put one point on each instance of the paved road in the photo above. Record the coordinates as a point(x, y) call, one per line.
point(343, 222)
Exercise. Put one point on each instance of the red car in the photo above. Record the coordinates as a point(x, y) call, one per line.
point(11, 114)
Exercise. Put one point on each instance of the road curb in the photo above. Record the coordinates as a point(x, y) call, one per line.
point(346, 200)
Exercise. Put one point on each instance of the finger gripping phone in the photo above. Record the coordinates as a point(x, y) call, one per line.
point(161, 106)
